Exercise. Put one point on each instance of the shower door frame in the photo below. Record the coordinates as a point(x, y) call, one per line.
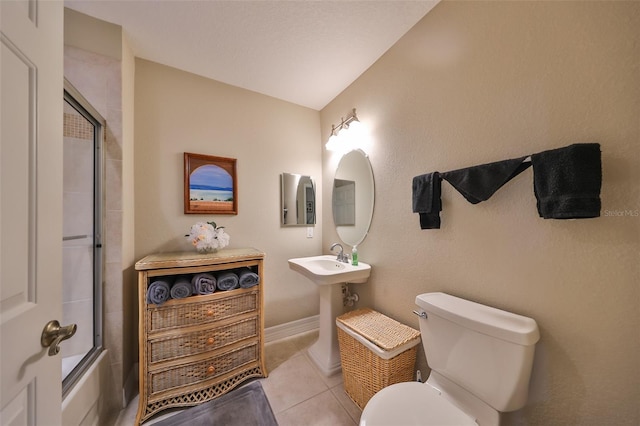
point(84, 108)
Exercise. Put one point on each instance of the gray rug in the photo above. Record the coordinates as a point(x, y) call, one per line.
point(245, 406)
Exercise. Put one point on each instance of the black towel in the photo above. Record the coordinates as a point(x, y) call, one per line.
point(479, 183)
point(426, 199)
point(567, 181)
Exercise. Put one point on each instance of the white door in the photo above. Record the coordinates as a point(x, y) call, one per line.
point(344, 203)
point(31, 70)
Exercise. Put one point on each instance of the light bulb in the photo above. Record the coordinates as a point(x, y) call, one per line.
point(333, 144)
point(356, 130)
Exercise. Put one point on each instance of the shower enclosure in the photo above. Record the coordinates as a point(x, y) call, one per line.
point(82, 232)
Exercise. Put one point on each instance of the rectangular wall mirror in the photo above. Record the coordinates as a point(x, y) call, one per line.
point(298, 200)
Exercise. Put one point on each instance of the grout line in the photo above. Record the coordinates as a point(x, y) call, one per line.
point(347, 401)
point(315, 396)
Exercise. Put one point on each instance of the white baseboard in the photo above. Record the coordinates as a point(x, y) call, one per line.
point(292, 328)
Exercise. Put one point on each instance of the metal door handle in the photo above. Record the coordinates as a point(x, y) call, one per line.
point(53, 334)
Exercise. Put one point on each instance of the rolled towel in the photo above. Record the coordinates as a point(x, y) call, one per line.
point(426, 199)
point(158, 292)
point(479, 183)
point(567, 181)
point(181, 288)
point(248, 278)
point(227, 281)
point(203, 283)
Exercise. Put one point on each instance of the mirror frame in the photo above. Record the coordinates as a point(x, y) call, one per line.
point(364, 198)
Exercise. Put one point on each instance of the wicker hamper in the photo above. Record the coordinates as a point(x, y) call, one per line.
point(375, 351)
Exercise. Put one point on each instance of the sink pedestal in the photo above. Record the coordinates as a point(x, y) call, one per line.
point(325, 353)
point(329, 273)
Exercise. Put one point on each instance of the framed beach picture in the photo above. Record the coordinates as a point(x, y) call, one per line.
point(210, 184)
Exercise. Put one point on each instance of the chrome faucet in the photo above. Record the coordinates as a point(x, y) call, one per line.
point(342, 256)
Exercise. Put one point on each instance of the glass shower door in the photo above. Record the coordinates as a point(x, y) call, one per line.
point(82, 248)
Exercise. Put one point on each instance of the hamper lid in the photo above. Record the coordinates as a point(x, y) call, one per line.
point(379, 329)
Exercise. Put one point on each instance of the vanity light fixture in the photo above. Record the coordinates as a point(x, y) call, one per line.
point(343, 135)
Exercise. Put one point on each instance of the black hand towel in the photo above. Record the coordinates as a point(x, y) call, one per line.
point(567, 181)
point(426, 199)
point(479, 183)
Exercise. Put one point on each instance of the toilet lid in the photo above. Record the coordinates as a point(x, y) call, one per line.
point(412, 403)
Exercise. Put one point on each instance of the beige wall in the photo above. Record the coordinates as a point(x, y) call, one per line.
point(94, 35)
point(177, 112)
point(479, 82)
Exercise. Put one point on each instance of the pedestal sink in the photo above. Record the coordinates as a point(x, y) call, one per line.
point(329, 274)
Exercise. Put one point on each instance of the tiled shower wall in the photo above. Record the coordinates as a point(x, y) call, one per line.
point(98, 78)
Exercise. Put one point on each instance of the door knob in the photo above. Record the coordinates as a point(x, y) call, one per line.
point(53, 334)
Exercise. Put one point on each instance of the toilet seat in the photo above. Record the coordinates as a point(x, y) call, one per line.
point(412, 403)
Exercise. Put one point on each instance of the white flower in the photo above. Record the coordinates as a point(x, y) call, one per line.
point(206, 236)
point(223, 237)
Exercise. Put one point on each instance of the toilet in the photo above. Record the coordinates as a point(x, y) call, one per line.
point(480, 359)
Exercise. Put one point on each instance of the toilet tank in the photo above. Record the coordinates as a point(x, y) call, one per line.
point(487, 351)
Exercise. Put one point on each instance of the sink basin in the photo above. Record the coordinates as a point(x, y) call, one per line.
point(326, 269)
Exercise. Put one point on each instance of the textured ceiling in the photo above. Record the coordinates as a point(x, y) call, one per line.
point(305, 52)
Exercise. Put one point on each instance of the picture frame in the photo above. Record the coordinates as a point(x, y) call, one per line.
point(210, 184)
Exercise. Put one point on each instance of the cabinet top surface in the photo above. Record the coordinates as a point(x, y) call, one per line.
point(188, 258)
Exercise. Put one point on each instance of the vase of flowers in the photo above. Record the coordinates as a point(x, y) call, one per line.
point(207, 237)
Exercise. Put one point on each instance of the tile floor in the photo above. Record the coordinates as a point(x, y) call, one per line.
point(298, 393)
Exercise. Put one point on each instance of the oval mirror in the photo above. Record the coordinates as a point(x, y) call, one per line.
point(298, 199)
point(353, 197)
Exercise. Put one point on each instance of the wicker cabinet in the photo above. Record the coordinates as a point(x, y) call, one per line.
point(197, 348)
